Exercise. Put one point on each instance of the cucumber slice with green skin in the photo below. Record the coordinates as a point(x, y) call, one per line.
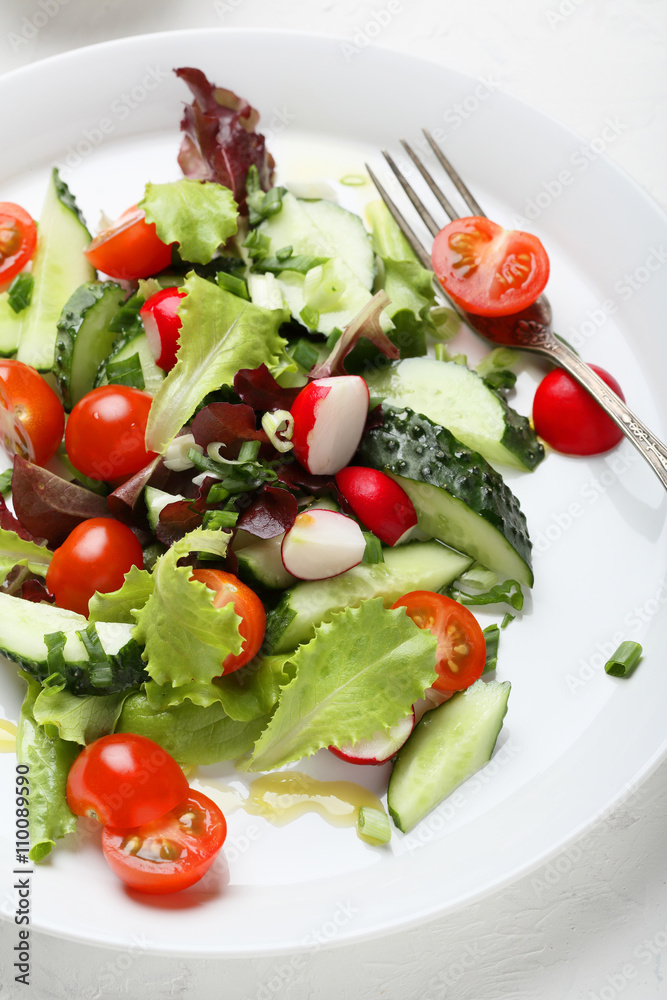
point(156, 501)
point(59, 268)
point(456, 397)
point(84, 338)
point(261, 564)
point(347, 235)
point(458, 497)
point(415, 566)
point(125, 349)
point(446, 747)
point(10, 327)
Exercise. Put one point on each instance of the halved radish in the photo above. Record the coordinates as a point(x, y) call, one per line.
point(322, 543)
point(162, 325)
point(378, 501)
point(329, 418)
point(432, 698)
point(378, 748)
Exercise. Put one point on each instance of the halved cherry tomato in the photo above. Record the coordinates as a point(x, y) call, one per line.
point(18, 239)
point(247, 605)
point(461, 651)
point(488, 270)
point(96, 555)
point(130, 248)
point(170, 853)
point(32, 419)
point(106, 431)
point(569, 419)
point(125, 780)
point(162, 325)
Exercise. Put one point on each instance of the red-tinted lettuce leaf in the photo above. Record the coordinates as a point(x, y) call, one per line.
point(365, 324)
point(125, 502)
point(49, 507)
point(10, 523)
point(35, 591)
point(258, 388)
point(229, 423)
point(296, 477)
point(220, 143)
point(177, 518)
point(271, 513)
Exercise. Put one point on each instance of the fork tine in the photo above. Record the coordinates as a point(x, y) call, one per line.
point(470, 201)
point(418, 204)
point(444, 202)
point(408, 232)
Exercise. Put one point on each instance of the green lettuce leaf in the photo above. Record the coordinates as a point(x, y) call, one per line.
point(78, 720)
point(361, 672)
point(16, 551)
point(118, 605)
point(198, 215)
point(220, 333)
point(190, 733)
point(49, 759)
point(253, 690)
point(186, 639)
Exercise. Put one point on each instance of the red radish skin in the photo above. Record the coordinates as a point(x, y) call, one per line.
point(569, 419)
point(378, 501)
point(162, 325)
point(329, 418)
point(378, 748)
point(321, 544)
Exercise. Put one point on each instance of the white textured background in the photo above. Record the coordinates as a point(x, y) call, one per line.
point(591, 924)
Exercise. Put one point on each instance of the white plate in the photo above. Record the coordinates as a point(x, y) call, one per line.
point(575, 739)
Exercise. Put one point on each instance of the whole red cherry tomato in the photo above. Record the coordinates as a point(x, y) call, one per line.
point(569, 419)
point(106, 430)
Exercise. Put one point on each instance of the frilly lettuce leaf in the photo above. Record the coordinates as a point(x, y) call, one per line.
point(361, 672)
point(186, 639)
point(77, 719)
point(119, 605)
point(198, 215)
point(220, 334)
point(253, 690)
point(17, 551)
point(190, 733)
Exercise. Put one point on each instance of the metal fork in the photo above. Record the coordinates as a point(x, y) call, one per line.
point(528, 330)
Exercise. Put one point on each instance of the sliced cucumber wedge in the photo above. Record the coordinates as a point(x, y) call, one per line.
point(156, 501)
point(456, 397)
point(125, 350)
point(347, 235)
point(261, 564)
point(458, 497)
point(415, 566)
point(59, 267)
point(84, 338)
point(10, 327)
point(447, 746)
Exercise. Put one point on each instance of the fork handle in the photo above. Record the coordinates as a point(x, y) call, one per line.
point(647, 444)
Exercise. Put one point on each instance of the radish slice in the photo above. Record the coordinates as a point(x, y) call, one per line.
point(329, 418)
point(322, 543)
point(378, 748)
point(378, 501)
point(162, 324)
point(432, 698)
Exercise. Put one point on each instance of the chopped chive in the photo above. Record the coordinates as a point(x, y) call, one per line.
point(478, 577)
point(237, 286)
point(507, 619)
point(249, 451)
point(310, 317)
point(217, 494)
point(491, 637)
point(279, 426)
point(302, 263)
point(305, 353)
point(220, 519)
point(284, 253)
point(6, 482)
point(373, 826)
point(55, 657)
point(373, 551)
point(624, 660)
point(446, 322)
point(353, 180)
point(19, 295)
point(257, 244)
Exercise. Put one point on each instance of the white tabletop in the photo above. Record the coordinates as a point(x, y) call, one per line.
point(591, 924)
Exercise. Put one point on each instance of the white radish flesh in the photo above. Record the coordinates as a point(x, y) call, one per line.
point(321, 544)
point(378, 748)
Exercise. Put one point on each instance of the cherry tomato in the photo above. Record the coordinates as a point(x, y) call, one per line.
point(125, 780)
point(96, 555)
point(130, 248)
point(461, 652)
point(162, 325)
point(170, 853)
point(18, 239)
point(32, 419)
point(247, 605)
point(106, 430)
point(569, 419)
point(488, 270)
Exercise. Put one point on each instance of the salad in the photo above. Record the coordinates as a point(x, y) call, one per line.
point(271, 510)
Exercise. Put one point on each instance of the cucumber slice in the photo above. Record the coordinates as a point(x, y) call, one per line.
point(458, 497)
point(125, 349)
point(10, 327)
point(347, 235)
point(156, 501)
point(59, 267)
point(415, 566)
point(456, 397)
point(84, 338)
point(261, 564)
point(446, 747)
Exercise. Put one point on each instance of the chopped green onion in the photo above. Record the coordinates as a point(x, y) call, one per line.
point(302, 263)
point(257, 245)
point(6, 482)
point(446, 322)
point(502, 379)
point(498, 358)
point(491, 637)
point(310, 317)
point(442, 354)
point(333, 338)
point(55, 658)
point(279, 426)
point(478, 577)
point(353, 180)
point(624, 660)
point(217, 494)
point(99, 663)
point(284, 253)
point(237, 286)
point(126, 371)
point(249, 451)
point(506, 620)
point(373, 826)
point(509, 592)
point(20, 292)
point(305, 353)
point(373, 551)
point(220, 519)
